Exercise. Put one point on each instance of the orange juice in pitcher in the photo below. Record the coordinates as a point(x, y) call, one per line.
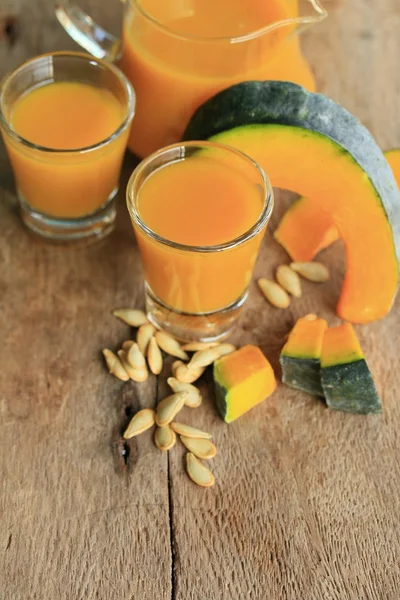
point(179, 53)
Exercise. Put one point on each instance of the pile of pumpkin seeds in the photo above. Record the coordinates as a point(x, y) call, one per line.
point(134, 360)
point(288, 281)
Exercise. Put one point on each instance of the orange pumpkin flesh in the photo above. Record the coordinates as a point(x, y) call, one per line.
point(305, 229)
point(340, 346)
point(242, 380)
point(305, 339)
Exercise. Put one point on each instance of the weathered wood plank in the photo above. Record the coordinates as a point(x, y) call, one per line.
point(76, 521)
point(74, 516)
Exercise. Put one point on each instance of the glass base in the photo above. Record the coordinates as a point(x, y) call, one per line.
point(89, 228)
point(193, 327)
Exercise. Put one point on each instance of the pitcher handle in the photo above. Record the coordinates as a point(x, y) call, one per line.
point(81, 27)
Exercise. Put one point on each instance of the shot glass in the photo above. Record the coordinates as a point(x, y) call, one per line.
point(196, 291)
point(68, 194)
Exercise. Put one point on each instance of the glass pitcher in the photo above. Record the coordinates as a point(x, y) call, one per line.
point(179, 53)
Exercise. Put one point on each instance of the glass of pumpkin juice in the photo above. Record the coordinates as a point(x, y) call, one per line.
point(65, 119)
point(199, 211)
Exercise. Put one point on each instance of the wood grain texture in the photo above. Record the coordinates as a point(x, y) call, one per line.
point(77, 522)
point(306, 502)
point(83, 515)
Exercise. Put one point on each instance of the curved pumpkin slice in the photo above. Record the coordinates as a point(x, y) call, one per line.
point(308, 144)
point(305, 229)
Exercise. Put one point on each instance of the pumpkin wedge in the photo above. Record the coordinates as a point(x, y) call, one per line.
point(346, 379)
point(305, 229)
point(300, 356)
point(312, 146)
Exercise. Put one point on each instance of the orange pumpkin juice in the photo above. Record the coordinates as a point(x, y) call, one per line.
point(203, 202)
point(66, 116)
point(178, 62)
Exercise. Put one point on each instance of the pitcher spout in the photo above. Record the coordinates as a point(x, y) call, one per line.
point(296, 16)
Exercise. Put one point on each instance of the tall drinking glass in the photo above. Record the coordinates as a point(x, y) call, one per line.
point(199, 211)
point(65, 119)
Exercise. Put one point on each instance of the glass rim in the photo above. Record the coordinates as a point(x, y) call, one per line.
point(130, 109)
point(320, 14)
point(262, 220)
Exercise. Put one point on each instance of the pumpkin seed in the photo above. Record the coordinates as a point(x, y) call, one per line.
point(198, 472)
point(193, 399)
point(184, 374)
point(144, 335)
point(194, 346)
point(289, 280)
point(200, 447)
point(138, 375)
point(154, 357)
point(144, 419)
point(169, 408)
point(127, 344)
point(175, 365)
point(225, 349)
point(274, 293)
point(170, 345)
point(114, 365)
point(131, 316)
point(311, 317)
point(203, 358)
point(135, 358)
point(164, 438)
point(313, 271)
point(189, 432)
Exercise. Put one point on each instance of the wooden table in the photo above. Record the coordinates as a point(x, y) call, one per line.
point(307, 501)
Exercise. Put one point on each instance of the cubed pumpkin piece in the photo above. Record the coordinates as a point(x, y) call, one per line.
point(300, 356)
point(242, 380)
point(346, 379)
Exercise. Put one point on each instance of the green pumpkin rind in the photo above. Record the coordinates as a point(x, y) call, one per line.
point(285, 103)
point(302, 374)
point(220, 397)
point(350, 388)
